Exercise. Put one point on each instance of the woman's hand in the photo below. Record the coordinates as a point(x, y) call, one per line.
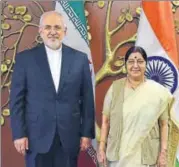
point(101, 155)
point(162, 159)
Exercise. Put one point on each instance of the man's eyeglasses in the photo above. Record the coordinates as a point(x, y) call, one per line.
point(55, 28)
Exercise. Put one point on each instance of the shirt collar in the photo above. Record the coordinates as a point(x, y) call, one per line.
point(48, 50)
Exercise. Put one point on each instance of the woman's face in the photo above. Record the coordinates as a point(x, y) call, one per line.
point(136, 66)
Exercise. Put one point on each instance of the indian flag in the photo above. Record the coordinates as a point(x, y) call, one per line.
point(156, 34)
point(77, 38)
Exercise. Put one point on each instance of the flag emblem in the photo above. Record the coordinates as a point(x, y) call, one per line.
point(162, 71)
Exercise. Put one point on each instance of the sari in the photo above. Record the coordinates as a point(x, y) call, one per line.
point(141, 110)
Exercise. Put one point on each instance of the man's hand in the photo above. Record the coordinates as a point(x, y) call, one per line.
point(21, 145)
point(85, 143)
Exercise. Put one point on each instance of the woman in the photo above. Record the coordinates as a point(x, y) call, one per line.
point(134, 128)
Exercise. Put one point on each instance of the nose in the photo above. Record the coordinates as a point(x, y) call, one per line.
point(52, 31)
point(135, 64)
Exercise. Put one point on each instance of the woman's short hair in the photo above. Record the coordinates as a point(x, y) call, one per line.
point(135, 49)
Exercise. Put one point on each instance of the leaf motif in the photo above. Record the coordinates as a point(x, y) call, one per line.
point(89, 36)
point(8, 61)
point(3, 68)
point(121, 18)
point(173, 9)
point(6, 112)
point(119, 63)
point(2, 120)
point(86, 13)
point(124, 71)
point(101, 4)
point(11, 8)
point(129, 17)
point(21, 10)
point(176, 3)
point(15, 17)
point(138, 10)
point(5, 26)
point(27, 18)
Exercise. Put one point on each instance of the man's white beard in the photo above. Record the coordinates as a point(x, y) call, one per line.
point(54, 44)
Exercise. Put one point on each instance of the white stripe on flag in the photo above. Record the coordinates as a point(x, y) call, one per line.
point(147, 39)
point(73, 39)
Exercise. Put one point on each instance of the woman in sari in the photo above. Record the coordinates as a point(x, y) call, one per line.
point(134, 129)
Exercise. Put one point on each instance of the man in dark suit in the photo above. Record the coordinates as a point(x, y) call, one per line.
point(51, 99)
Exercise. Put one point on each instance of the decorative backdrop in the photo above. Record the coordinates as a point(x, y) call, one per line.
point(112, 27)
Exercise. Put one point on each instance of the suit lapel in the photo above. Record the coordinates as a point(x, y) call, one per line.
point(65, 66)
point(42, 61)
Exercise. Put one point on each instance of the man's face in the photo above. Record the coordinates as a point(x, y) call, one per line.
point(52, 30)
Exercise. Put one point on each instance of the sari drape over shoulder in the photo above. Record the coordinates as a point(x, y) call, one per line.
point(134, 130)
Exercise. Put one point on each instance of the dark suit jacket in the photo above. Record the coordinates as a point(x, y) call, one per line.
point(38, 112)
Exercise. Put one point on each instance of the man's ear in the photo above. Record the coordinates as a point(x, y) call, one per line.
point(40, 30)
point(65, 31)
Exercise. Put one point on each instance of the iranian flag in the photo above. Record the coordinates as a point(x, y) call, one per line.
point(77, 38)
point(156, 34)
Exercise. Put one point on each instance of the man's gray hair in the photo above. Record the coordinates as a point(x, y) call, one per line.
point(48, 13)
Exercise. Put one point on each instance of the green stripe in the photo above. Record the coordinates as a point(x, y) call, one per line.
point(177, 163)
point(78, 7)
point(75, 12)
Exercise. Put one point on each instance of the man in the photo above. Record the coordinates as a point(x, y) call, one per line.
point(51, 100)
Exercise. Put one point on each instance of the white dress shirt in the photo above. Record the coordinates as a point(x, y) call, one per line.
point(54, 60)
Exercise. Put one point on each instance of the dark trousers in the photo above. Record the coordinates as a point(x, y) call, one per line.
point(56, 157)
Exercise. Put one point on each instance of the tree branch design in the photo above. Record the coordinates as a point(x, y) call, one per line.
point(18, 13)
point(106, 69)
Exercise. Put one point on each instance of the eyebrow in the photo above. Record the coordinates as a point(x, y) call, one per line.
point(135, 59)
point(53, 25)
